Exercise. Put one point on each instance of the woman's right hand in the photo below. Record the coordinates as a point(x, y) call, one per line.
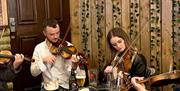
point(108, 69)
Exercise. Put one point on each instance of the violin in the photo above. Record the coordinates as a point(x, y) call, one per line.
point(126, 63)
point(6, 55)
point(82, 60)
point(123, 64)
point(163, 79)
point(158, 80)
point(62, 48)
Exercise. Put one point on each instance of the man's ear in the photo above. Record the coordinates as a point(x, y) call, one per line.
point(44, 33)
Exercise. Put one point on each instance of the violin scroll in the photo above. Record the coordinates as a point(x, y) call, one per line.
point(4, 59)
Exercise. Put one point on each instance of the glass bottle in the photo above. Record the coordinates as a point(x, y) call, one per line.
point(72, 80)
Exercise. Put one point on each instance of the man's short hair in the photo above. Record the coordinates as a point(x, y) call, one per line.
point(50, 23)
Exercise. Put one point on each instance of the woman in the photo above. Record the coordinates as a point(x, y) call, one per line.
point(128, 62)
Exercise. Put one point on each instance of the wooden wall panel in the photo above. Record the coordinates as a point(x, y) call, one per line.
point(157, 29)
point(125, 15)
point(54, 9)
point(27, 14)
point(93, 34)
point(28, 41)
point(75, 23)
point(3, 13)
point(109, 25)
point(144, 27)
point(167, 41)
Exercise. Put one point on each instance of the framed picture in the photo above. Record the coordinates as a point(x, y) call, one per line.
point(3, 13)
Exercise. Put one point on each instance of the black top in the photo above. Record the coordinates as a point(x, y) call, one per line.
point(139, 67)
point(6, 74)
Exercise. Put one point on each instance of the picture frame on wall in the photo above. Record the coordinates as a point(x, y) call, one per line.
point(3, 13)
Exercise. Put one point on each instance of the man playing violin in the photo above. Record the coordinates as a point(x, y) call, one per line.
point(55, 69)
point(8, 70)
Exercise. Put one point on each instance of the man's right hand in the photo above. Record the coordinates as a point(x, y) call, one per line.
point(138, 86)
point(49, 59)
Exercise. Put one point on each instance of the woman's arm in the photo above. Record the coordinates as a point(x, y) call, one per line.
point(138, 66)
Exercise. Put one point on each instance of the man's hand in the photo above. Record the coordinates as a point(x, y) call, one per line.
point(138, 86)
point(49, 59)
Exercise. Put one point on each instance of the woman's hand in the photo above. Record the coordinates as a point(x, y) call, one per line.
point(121, 74)
point(108, 69)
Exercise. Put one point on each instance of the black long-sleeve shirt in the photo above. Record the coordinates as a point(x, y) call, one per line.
point(7, 73)
point(139, 66)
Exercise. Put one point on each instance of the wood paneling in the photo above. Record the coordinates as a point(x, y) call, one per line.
point(27, 11)
point(156, 31)
point(28, 41)
point(3, 13)
point(29, 16)
point(54, 9)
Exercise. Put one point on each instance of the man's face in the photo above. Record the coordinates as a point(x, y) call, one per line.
point(52, 34)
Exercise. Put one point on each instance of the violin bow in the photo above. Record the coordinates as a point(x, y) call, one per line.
point(68, 29)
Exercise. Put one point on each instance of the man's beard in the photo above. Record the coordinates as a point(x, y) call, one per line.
point(52, 41)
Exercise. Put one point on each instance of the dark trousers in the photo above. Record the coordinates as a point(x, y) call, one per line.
point(60, 89)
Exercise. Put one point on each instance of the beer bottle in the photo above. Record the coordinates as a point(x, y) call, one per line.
point(72, 80)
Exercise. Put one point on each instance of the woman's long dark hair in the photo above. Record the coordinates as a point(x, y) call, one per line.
point(122, 34)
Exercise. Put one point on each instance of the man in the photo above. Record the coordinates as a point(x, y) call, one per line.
point(9, 70)
point(55, 69)
point(138, 86)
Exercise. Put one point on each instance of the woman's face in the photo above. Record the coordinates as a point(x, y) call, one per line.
point(118, 43)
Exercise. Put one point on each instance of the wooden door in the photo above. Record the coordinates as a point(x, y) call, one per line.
point(25, 20)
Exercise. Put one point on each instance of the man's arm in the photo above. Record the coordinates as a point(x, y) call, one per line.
point(37, 66)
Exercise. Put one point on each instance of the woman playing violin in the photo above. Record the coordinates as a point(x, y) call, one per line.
point(9, 69)
point(133, 63)
point(55, 69)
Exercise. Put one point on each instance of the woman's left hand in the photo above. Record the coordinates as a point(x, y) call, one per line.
point(121, 74)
